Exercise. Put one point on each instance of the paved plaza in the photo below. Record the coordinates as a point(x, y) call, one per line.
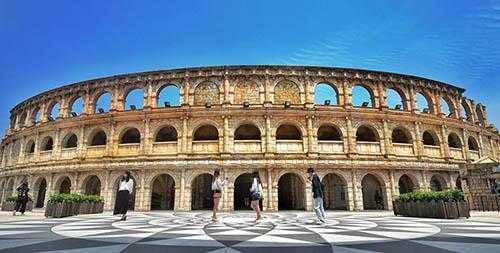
point(237, 232)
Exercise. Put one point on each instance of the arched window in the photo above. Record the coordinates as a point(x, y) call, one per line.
point(286, 91)
point(22, 119)
point(166, 134)
point(70, 141)
point(36, 116)
point(54, 111)
point(329, 133)
point(206, 133)
point(422, 103)
point(288, 132)
point(437, 183)
point(454, 141)
point(325, 94)
point(365, 133)
point(131, 136)
point(206, 92)
point(362, 96)
point(429, 139)
point(472, 144)
point(99, 139)
point(103, 103)
point(247, 132)
point(134, 100)
point(395, 100)
point(30, 147)
point(247, 92)
point(466, 111)
point(168, 95)
point(479, 113)
point(400, 135)
point(77, 107)
point(446, 108)
point(47, 144)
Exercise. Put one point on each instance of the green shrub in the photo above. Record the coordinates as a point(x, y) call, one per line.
point(447, 195)
point(14, 199)
point(74, 198)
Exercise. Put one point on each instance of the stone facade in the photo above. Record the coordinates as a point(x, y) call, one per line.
point(243, 119)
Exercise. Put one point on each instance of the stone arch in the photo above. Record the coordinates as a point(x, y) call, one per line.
point(423, 102)
point(248, 91)
point(467, 110)
point(9, 189)
point(116, 184)
point(437, 183)
point(206, 132)
point(373, 189)
point(76, 105)
point(39, 192)
point(98, 137)
point(47, 143)
point(130, 135)
point(472, 143)
point(247, 132)
point(329, 132)
point(325, 91)
point(336, 193)
point(287, 90)
point(201, 192)
point(30, 147)
point(430, 138)
point(401, 135)
point(406, 184)
point(92, 185)
point(163, 192)
point(454, 140)
point(288, 132)
point(54, 110)
point(22, 119)
point(367, 133)
point(36, 115)
point(291, 192)
point(63, 184)
point(447, 107)
point(102, 101)
point(242, 185)
point(166, 133)
point(480, 114)
point(70, 141)
point(395, 96)
point(168, 95)
point(362, 94)
point(206, 92)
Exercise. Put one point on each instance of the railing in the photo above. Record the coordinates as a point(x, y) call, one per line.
point(96, 151)
point(403, 149)
point(206, 147)
point(169, 147)
point(368, 147)
point(474, 155)
point(29, 157)
point(330, 147)
point(128, 149)
point(456, 153)
point(45, 155)
point(247, 146)
point(432, 151)
point(289, 146)
point(68, 153)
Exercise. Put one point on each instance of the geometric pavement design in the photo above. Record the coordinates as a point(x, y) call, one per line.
point(360, 232)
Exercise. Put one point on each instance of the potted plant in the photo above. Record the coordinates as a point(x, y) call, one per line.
point(64, 205)
point(10, 202)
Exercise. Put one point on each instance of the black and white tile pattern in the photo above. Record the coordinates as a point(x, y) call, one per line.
point(238, 232)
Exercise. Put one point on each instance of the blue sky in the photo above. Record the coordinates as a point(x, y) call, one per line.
point(48, 44)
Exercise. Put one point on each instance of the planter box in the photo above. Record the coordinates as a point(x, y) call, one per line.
point(60, 210)
point(432, 209)
point(9, 206)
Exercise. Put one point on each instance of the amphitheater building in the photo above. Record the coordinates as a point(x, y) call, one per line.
point(277, 120)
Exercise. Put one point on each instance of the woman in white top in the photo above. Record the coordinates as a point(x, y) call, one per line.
point(217, 186)
point(256, 194)
point(125, 189)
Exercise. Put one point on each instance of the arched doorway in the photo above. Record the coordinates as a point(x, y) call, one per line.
point(335, 194)
point(242, 186)
point(437, 183)
point(163, 193)
point(93, 186)
point(291, 192)
point(41, 189)
point(65, 186)
point(131, 202)
point(373, 196)
point(201, 192)
point(458, 183)
point(405, 184)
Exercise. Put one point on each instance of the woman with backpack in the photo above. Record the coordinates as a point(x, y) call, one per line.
point(217, 186)
point(256, 194)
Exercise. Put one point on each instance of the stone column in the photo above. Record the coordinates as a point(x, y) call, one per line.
point(226, 99)
point(351, 145)
point(393, 186)
point(147, 146)
point(107, 194)
point(412, 103)
point(347, 95)
point(184, 144)
point(312, 138)
point(50, 190)
point(267, 90)
point(87, 106)
point(149, 96)
point(309, 197)
point(382, 97)
point(357, 193)
point(226, 145)
point(445, 151)
point(186, 87)
point(270, 196)
point(309, 91)
point(269, 141)
point(387, 149)
point(425, 184)
point(417, 141)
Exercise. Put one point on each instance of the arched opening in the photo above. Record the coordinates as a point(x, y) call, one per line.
point(446, 108)
point(242, 186)
point(99, 139)
point(458, 184)
point(335, 192)
point(47, 144)
point(65, 185)
point(466, 112)
point(166, 134)
point(286, 91)
point(288, 132)
point(247, 132)
point(400, 135)
point(454, 141)
point(103, 103)
point(395, 99)
point(168, 95)
point(93, 186)
point(247, 92)
point(131, 136)
point(22, 120)
point(77, 107)
point(437, 183)
point(325, 94)
point(10, 188)
point(54, 111)
point(429, 139)
point(40, 189)
point(362, 96)
point(472, 144)
point(329, 133)
point(163, 193)
point(367, 134)
point(405, 184)
point(30, 147)
point(422, 103)
point(373, 194)
point(70, 141)
point(201, 192)
point(206, 92)
point(206, 133)
point(291, 192)
point(36, 116)
point(131, 201)
point(134, 100)
point(479, 114)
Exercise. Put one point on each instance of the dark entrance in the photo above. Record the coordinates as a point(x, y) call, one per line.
point(42, 189)
point(290, 192)
point(201, 192)
point(163, 193)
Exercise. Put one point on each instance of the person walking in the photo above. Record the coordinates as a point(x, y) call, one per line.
point(217, 186)
point(22, 198)
point(125, 189)
point(317, 189)
point(256, 194)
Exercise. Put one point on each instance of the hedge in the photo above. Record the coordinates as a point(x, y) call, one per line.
point(71, 198)
point(448, 195)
